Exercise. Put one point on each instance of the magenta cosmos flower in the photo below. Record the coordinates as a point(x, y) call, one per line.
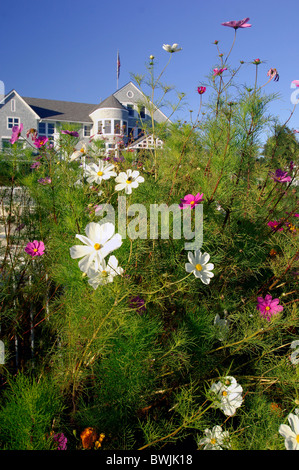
point(280, 176)
point(60, 440)
point(296, 83)
point(40, 141)
point(190, 200)
point(237, 24)
point(268, 306)
point(201, 89)
point(274, 224)
point(72, 133)
point(15, 133)
point(35, 248)
point(218, 71)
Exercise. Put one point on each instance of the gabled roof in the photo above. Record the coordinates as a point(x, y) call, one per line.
point(55, 110)
point(14, 92)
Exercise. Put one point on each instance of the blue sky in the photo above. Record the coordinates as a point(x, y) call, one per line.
point(66, 50)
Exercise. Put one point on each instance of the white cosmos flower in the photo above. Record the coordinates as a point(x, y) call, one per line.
point(199, 266)
point(171, 49)
point(295, 354)
point(99, 241)
point(78, 153)
point(291, 433)
point(215, 439)
point(127, 180)
point(228, 395)
point(105, 273)
point(97, 173)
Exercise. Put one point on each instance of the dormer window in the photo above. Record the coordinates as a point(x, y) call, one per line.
point(130, 108)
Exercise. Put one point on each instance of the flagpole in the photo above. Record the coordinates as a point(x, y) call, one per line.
point(117, 70)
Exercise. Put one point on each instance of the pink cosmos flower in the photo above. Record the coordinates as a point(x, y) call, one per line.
point(274, 224)
point(237, 24)
point(280, 176)
point(35, 165)
point(72, 133)
point(15, 133)
point(268, 307)
point(218, 71)
point(40, 141)
point(272, 73)
point(35, 248)
point(201, 89)
point(296, 82)
point(190, 200)
point(44, 181)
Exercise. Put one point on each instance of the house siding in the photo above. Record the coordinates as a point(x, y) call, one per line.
point(22, 111)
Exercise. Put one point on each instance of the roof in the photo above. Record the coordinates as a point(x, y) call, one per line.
point(110, 102)
point(55, 110)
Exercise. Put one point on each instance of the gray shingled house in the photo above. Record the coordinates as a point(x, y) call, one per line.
point(120, 118)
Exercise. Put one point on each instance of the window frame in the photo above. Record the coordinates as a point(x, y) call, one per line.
point(13, 122)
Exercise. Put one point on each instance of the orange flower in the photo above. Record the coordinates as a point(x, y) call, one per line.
point(88, 437)
point(273, 252)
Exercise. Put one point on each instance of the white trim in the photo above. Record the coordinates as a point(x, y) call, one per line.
point(112, 120)
point(110, 107)
point(26, 104)
point(65, 120)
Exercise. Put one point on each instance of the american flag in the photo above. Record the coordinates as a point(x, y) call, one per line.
point(118, 64)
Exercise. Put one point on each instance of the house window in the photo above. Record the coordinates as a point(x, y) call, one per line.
point(100, 127)
point(51, 129)
point(46, 129)
point(13, 105)
point(117, 126)
point(86, 131)
point(142, 112)
point(131, 132)
point(130, 108)
point(6, 144)
point(125, 127)
point(107, 127)
point(42, 128)
point(12, 122)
